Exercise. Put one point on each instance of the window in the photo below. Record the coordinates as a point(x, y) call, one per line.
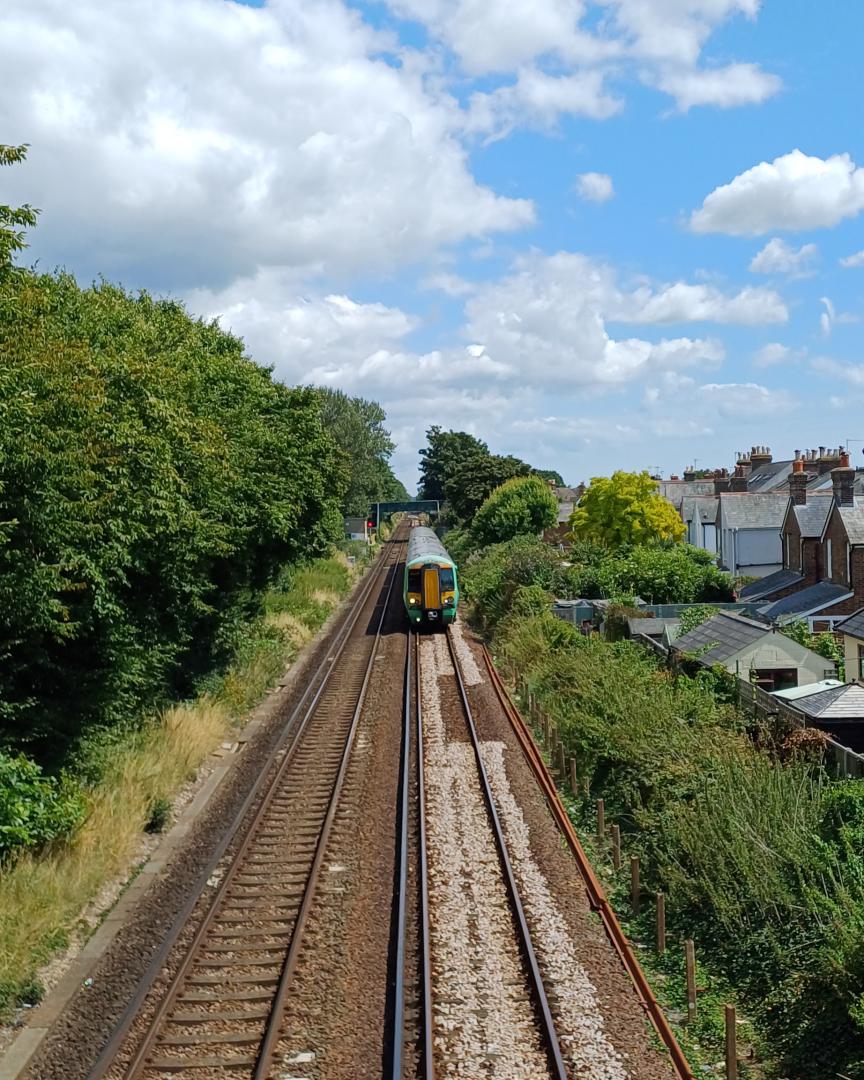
point(414, 579)
point(448, 583)
point(860, 672)
point(829, 569)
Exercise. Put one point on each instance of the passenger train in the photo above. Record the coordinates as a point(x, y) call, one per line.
point(431, 590)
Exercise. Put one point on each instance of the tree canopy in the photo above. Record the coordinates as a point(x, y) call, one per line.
point(523, 506)
point(13, 220)
point(445, 451)
point(476, 477)
point(625, 509)
point(550, 476)
point(357, 427)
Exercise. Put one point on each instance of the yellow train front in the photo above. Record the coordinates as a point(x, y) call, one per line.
point(431, 590)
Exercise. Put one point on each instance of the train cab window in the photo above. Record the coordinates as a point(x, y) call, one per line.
point(414, 579)
point(446, 579)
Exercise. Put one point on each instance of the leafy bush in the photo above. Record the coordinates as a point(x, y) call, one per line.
point(523, 506)
point(34, 809)
point(492, 577)
point(680, 574)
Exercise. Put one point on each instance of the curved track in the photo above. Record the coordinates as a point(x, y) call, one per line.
point(223, 1011)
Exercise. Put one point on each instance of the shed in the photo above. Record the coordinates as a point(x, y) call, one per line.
point(357, 528)
point(744, 646)
point(838, 711)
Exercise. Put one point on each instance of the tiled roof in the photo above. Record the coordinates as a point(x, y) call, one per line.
point(745, 510)
point(781, 579)
point(769, 477)
point(813, 514)
point(805, 601)
point(854, 625)
point(844, 702)
point(700, 507)
point(853, 522)
point(727, 634)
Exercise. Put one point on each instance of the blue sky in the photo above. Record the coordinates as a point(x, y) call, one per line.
point(580, 231)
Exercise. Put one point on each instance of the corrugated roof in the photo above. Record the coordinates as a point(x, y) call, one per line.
point(796, 692)
point(854, 625)
point(424, 544)
point(726, 634)
point(844, 702)
point(652, 627)
point(805, 601)
point(745, 510)
point(813, 514)
point(780, 579)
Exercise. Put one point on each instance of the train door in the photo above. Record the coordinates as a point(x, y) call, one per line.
point(431, 590)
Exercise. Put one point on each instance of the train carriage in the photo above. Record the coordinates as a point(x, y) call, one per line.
point(431, 590)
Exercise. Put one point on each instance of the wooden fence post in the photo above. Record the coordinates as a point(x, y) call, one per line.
point(731, 1044)
point(560, 762)
point(661, 923)
point(616, 847)
point(690, 957)
point(601, 821)
point(635, 893)
point(574, 779)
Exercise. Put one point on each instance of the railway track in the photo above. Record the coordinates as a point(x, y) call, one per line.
point(224, 1010)
point(454, 1029)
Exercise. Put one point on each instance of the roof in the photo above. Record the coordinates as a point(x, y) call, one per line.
point(678, 490)
point(813, 514)
point(726, 633)
point(745, 510)
point(423, 544)
point(780, 579)
point(844, 702)
point(796, 692)
point(854, 625)
point(853, 522)
point(566, 494)
point(769, 477)
point(806, 601)
point(651, 627)
point(565, 509)
point(701, 508)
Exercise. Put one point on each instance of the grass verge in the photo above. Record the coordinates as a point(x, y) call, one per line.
point(136, 773)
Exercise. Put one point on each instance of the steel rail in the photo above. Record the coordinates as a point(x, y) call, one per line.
point(425, 932)
point(596, 896)
point(547, 1023)
point(273, 1028)
point(261, 790)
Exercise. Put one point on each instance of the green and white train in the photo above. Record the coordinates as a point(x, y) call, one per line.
point(431, 590)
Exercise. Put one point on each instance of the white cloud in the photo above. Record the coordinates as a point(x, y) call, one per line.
point(852, 261)
point(211, 138)
point(851, 373)
point(830, 316)
point(777, 257)
point(451, 284)
point(726, 87)
point(792, 192)
point(775, 353)
point(701, 303)
point(744, 399)
point(595, 187)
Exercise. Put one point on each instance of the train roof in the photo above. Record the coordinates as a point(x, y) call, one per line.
point(423, 544)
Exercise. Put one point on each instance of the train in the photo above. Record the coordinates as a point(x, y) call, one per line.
point(431, 589)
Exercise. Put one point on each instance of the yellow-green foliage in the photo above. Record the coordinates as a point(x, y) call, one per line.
point(625, 508)
point(136, 773)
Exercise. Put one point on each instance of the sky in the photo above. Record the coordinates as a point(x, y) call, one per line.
point(623, 234)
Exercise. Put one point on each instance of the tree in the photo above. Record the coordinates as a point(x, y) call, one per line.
point(474, 478)
point(550, 475)
point(438, 460)
point(625, 509)
point(523, 506)
point(13, 220)
point(357, 427)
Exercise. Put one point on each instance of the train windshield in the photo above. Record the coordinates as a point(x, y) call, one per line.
point(446, 578)
point(414, 579)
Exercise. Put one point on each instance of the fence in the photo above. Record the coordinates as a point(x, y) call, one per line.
point(577, 611)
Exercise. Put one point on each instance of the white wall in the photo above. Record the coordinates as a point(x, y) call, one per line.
point(779, 651)
point(751, 551)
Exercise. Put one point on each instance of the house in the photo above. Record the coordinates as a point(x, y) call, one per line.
point(852, 630)
point(748, 532)
point(699, 513)
point(752, 650)
point(839, 712)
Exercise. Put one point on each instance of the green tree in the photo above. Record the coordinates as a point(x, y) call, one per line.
point(445, 451)
point(664, 575)
point(357, 427)
point(473, 479)
point(523, 506)
point(550, 475)
point(13, 220)
point(625, 509)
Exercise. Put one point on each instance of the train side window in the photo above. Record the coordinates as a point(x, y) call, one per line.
point(446, 579)
point(414, 579)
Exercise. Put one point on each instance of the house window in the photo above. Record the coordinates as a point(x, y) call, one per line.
point(776, 678)
point(828, 563)
point(860, 672)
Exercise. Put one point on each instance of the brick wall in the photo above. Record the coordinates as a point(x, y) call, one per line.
point(792, 543)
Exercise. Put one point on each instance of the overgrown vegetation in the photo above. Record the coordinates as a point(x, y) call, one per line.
point(825, 644)
point(760, 854)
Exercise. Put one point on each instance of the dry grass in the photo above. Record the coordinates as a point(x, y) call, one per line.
point(42, 897)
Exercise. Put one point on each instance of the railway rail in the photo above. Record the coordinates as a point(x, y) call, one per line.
point(223, 1012)
point(414, 736)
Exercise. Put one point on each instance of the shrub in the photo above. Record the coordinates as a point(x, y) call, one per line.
point(34, 809)
point(523, 506)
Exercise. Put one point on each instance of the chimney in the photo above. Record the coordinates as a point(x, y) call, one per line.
point(798, 480)
point(760, 456)
point(739, 478)
point(721, 480)
point(690, 473)
point(843, 479)
point(828, 459)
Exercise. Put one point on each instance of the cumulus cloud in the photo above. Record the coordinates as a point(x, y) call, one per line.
point(595, 187)
point(726, 87)
point(830, 316)
point(775, 353)
point(777, 257)
point(208, 138)
point(853, 261)
point(682, 302)
point(791, 193)
point(744, 399)
point(451, 284)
